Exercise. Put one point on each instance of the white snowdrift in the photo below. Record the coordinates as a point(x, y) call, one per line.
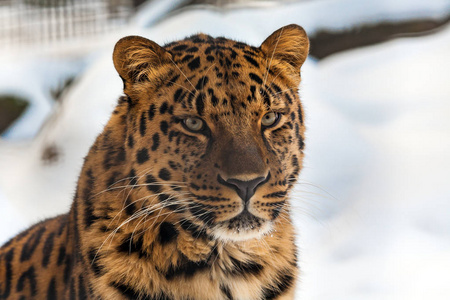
point(379, 124)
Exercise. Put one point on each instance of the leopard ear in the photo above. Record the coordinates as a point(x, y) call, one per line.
point(289, 44)
point(137, 59)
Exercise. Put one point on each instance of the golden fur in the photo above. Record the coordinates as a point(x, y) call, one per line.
point(163, 211)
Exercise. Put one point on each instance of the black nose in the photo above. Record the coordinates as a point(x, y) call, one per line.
point(245, 189)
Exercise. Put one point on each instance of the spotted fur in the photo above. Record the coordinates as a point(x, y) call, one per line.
point(164, 212)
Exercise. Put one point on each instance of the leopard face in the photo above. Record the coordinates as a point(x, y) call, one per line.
point(215, 128)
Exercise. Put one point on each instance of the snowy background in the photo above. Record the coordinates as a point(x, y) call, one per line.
point(372, 205)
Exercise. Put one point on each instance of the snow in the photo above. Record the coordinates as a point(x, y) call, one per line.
point(24, 77)
point(378, 140)
point(71, 129)
point(12, 220)
point(372, 203)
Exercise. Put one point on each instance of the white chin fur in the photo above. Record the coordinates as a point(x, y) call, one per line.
point(228, 235)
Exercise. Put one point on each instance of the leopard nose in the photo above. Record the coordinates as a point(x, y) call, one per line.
point(245, 189)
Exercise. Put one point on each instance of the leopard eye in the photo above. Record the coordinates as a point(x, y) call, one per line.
point(270, 119)
point(194, 124)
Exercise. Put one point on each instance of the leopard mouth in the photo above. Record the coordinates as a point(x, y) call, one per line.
point(244, 221)
point(242, 227)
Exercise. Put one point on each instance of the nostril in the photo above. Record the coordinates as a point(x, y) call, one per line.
point(245, 189)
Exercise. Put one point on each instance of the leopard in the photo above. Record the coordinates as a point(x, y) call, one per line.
point(185, 194)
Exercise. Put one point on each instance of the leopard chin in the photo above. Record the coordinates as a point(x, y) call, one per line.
point(242, 227)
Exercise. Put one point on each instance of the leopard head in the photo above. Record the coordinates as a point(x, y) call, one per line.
point(215, 127)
